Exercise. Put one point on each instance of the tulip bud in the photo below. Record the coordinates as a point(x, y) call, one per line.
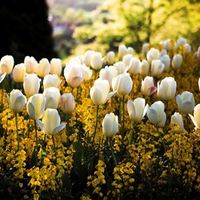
point(185, 102)
point(19, 73)
point(110, 124)
point(56, 66)
point(126, 59)
point(120, 66)
point(177, 61)
point(74, 74)
point(31, 64)
point(148, 87)
point(67, 103)
point(31, 84)
point(157, 67)
point(44, 68)
point(96, 61)
point(122, 50)
point(196, 118)
point(166, 88)
point(2, 76)
point(87, 72)
point(99, 92)
point(52, 95)
point(122, 84)
point(153, 54)
point(108, 73)
point(137, 109)
point(6, 64)
point(156, 114)
point(177, 118)
point(36, 106)
point(145, 48)
point(165, 59)
point(134, 66)
point(16, 100)
point(87, 57)
point(187, 48)
point(131, 51)
point(180, 42)
point(110, 57)
point(51, 80)
point(144, 68)
point(50, 123)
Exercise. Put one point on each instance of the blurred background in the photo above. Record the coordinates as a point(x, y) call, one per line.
point(61, 28)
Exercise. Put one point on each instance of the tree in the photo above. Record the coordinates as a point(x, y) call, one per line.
point(25, 30)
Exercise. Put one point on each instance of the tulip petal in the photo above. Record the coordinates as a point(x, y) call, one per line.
point(58, 129)
point(31, 110)
point(40, 124)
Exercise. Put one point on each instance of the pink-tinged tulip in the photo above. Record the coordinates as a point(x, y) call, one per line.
point(144, 67)
point(50, 123)
point(52, 95)
point(67, 103)
point(156, 114)
point(166, 88)
point(31, 84)
point(134, 66)
point(2, 76)
point(31, 64)
point(74, 74)
point(6, 64)
point(123, 84)
point(97, 61)
point(110, 57)
point(177, 61)
point(148, 87)
point(137, 109)
point(36, 106)
point(87, 57)
point(87, 72)
point(51, 80)
point(108, 73)
point(177, 118)
point(196, 118)
point(110, 124)
point(120, 66)
point(19, 73)
point(122, 50)
point(56, 66)
point(16, 100)
point(153, 54)
point(165, 59)
point(157, 67)
point(185, 102)
point(99, 92)
point(44, 68)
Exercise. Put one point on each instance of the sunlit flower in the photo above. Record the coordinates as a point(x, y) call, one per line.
point(122, 50)
point(177, 118)
point(6, 64)
point(126, 59)
point(110, 57)
point(153, 54)
point(147, 87)
point(31, 64)
point(96, 61)
point(122, 84)
point(87, 57)
point(137, 109)
point(144, 67)
point(51, 80)
point(31, 84)
point(50, 123)
point(166, 88)
point(44, 68)
point(134, 66)
point(156, 114)
point(52, 95)
point(16, 100)
point(19, 73)
point(36, 106)
point(185, 102)
point(157, 67)
point(56, 66)
point(99, 92)
point(67, 102)
point(74, 74)
point(196, 118)
point(110, 124)
point(87, 72)
point(120, 66)
point(145, 48)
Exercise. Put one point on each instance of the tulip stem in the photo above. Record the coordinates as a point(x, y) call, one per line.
point(113, 155)
point(54, 146)
point(122, 130)
point(163, 142)
point(16, 122)
point(131, 136)
point(36, 138)
point(96, 123)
